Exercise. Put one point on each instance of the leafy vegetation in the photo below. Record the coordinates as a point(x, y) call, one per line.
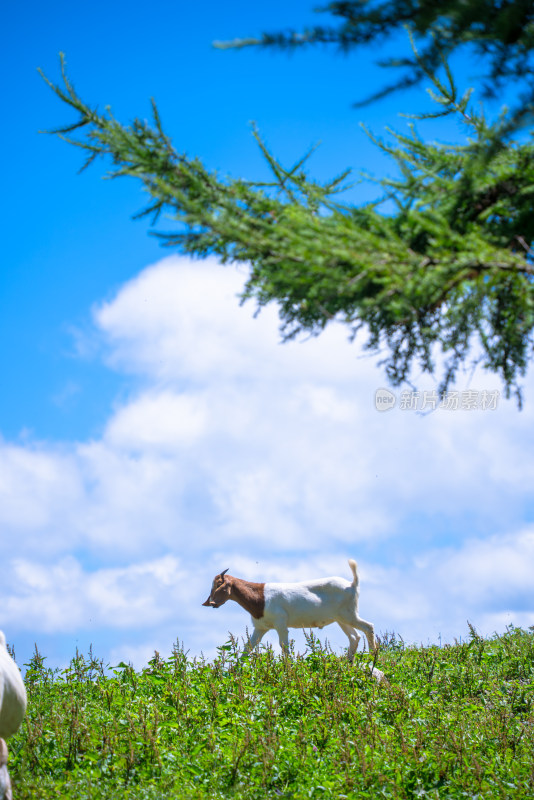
point(454, 722)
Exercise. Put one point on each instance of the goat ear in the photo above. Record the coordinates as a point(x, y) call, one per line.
point(224, 572)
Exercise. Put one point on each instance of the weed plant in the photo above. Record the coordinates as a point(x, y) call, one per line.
point(454, 722)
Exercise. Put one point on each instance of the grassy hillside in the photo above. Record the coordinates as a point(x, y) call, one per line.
point(455, 722)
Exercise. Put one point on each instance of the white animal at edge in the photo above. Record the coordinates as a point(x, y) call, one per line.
point(13, 703)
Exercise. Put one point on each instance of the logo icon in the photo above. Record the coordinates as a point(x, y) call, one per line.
point(384, 400)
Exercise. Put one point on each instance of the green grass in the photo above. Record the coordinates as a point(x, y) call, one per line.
point(455, 722)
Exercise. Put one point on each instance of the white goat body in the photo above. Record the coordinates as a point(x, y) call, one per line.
point(12, 693)
point(306, 604)
point(13, 703)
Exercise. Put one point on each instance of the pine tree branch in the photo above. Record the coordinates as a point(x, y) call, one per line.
point(441, 271)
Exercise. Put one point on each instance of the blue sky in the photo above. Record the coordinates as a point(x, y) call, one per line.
point(152, 432)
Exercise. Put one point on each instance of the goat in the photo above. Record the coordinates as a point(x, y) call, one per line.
point(307, 604)
point(13, 703)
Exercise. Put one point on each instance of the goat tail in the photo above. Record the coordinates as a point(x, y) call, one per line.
point(354, 567)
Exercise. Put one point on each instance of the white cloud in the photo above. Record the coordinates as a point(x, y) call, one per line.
point(180, 320)
point(234, 450)
point(38, 485)
point(163, 420)
point(64, 597)
point(493, 570)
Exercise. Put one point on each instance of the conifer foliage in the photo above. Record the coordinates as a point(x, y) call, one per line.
point(450, 269)
point(502, 31)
